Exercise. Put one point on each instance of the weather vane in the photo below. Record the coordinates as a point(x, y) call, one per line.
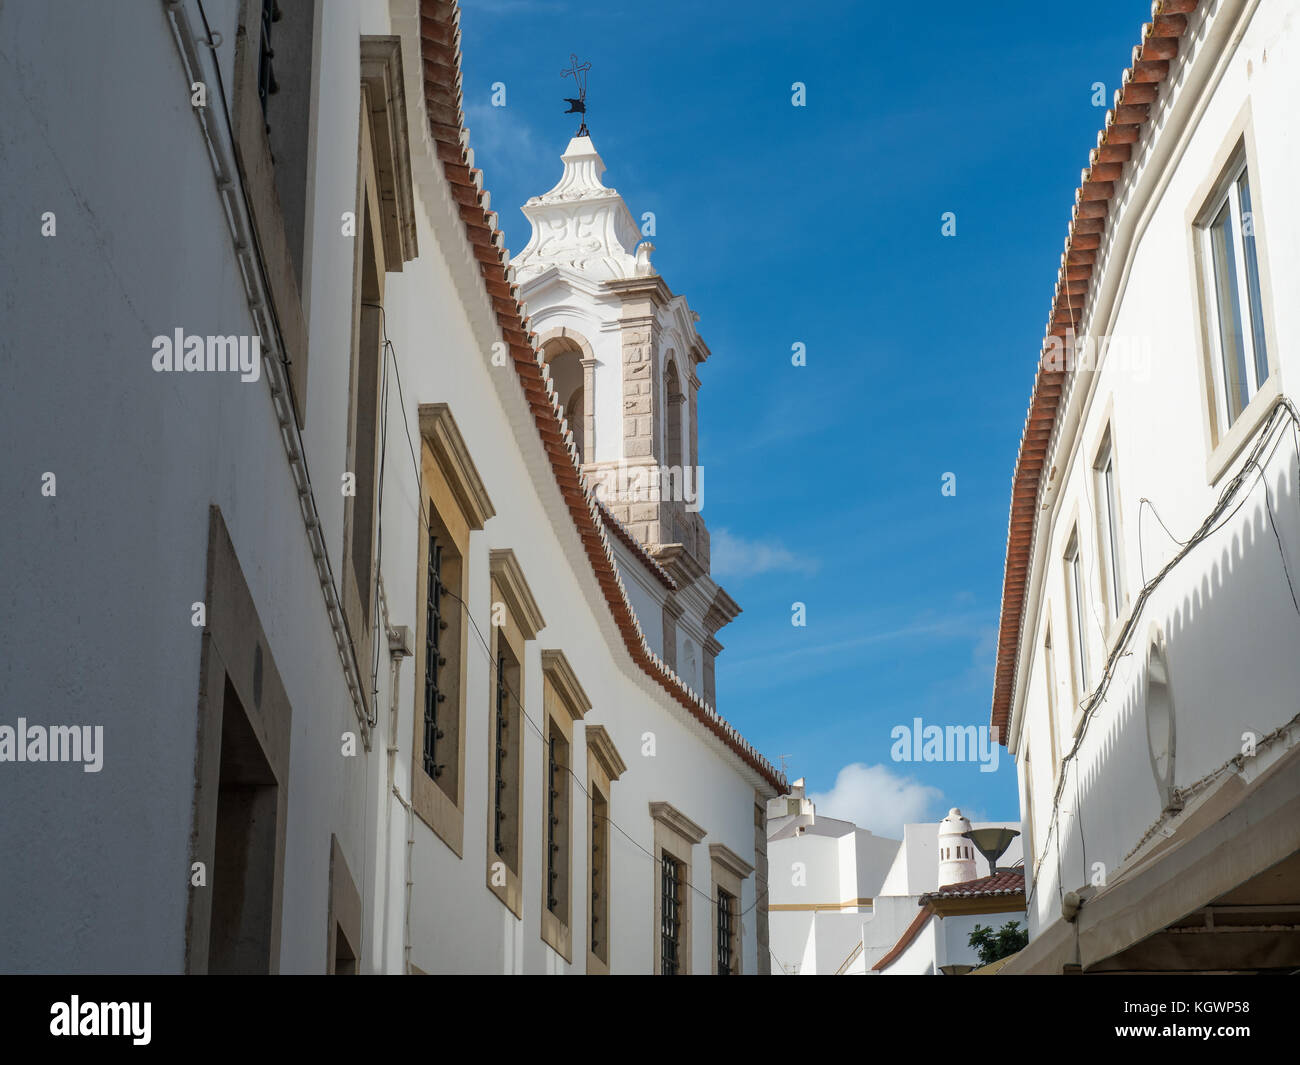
point(578, 72)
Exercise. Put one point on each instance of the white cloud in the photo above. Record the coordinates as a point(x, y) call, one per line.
point(876, 798)
point(733, 556)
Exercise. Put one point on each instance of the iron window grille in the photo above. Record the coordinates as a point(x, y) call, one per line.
point(595, 882)
point(434, 660)
point(266, 83)
point(499, 799)
point(552, 820)
point(724, 933)
point(671, 920)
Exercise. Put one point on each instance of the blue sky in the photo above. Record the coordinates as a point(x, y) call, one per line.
point(822, 225)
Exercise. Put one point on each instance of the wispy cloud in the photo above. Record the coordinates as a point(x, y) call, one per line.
point(734, 556)
point(954, 626)
point(876, 798)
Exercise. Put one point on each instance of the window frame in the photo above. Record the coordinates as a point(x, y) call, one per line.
point(363, 414)
point(1034, 857)
point(1110, 536)
point(672, 889)
point(1224, 442)
point(1075, 605)
point(257, 172)
point(563, 702)
point(521, 620)
point(384, 240)
point(675, 835)
point(604, 766)
point(454, 504)
point(1248, 298)
point(729, 873)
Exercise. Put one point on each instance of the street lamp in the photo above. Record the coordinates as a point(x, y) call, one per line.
point(992, 843)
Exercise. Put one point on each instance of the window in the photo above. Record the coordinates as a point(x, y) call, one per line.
point(271, 117)
point(1234, 305)
point(452, 504)
point(435, 661)
point(515, 620)
point(1074, 582)
point(729, 874)
point(670, 901)
point(266, 83)
point(599, 876)
point(675, 835)
point(1107, 497)
point(564, 702)
point(557, 823)
point(383, 214)
point(673, 398)
point(504, 755)
point(604, 766)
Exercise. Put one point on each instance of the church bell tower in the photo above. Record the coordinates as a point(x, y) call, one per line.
point(624, 355)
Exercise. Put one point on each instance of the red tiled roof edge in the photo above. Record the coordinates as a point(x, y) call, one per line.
point(912, 931)
point(440, 55)
point(1124, 124)
point(1002, 883)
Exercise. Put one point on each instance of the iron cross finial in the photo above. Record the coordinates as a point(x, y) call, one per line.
point(578, 72)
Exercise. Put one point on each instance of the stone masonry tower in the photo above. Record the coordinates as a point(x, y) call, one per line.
point(624, 356)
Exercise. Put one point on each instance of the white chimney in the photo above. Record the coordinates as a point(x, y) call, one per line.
point(956, 853)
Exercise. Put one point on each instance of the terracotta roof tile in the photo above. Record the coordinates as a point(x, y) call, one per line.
point(1003, 882)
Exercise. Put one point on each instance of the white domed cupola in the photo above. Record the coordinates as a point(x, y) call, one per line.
point(580, 224)
point(956, 852)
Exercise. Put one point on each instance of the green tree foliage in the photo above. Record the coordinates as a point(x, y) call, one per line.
point(993, 945)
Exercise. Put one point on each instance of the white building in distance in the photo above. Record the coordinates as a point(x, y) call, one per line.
point(844, 901)
point(1148, 659)
point(381, 685)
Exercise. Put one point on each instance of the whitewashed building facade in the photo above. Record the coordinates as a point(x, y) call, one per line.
point(847, 902)
point(1149, 655)
point(381, 687)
